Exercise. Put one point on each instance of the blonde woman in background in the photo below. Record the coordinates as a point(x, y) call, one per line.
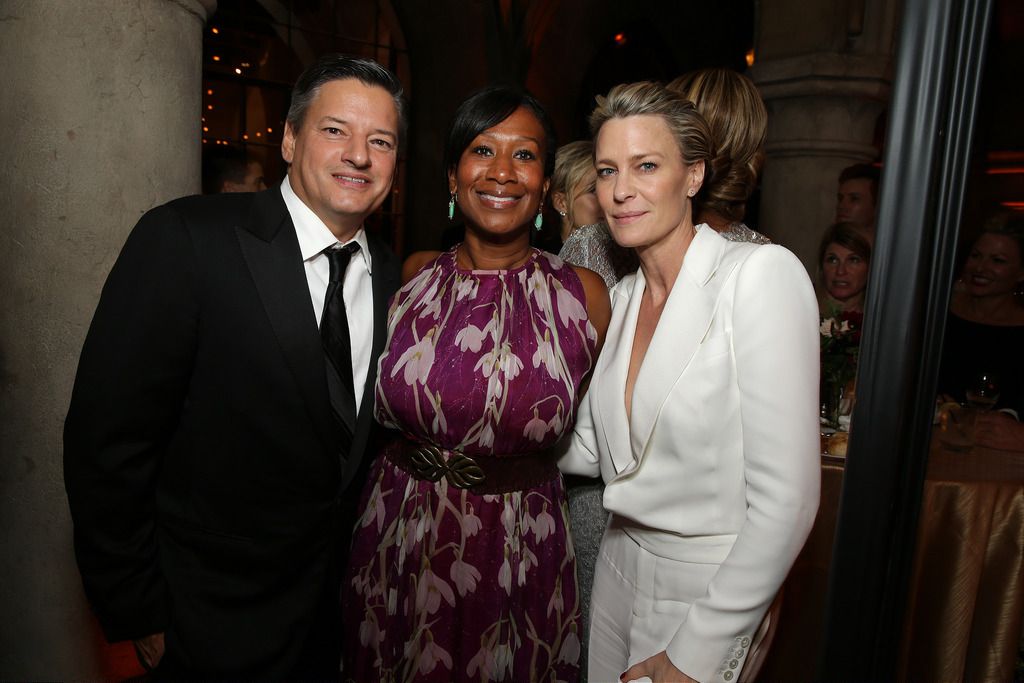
point(731, 105)
point(572, 186)
point(585, 239)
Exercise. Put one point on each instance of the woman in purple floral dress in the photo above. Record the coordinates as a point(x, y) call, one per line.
point(462, 566)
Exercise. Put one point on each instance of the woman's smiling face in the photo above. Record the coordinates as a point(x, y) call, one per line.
point(500, 176)
point(994, 266)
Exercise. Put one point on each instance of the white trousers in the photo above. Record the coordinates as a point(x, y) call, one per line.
point(638, 603)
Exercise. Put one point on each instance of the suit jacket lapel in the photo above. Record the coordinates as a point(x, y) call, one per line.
point(684, 322)
point(271, 251)
point(611, 394)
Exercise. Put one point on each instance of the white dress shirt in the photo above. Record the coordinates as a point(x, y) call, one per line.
point(314, 237)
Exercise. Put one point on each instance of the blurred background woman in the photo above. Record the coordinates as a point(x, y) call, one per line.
point(701, 416)
point(982, 350)
point(731, 105)
point(844, 259)
point(461, 567)
point(572, 186)
point(586, 243)
point(585, 238)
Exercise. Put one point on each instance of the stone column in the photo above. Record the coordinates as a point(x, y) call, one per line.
point(101, 117)
point(824, 70)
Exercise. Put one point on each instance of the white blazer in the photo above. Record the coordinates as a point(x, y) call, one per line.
point(720, 461)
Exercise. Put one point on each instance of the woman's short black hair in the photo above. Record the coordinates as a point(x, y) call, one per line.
point(487, 108)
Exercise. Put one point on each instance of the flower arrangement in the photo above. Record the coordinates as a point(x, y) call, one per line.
point(840, 347)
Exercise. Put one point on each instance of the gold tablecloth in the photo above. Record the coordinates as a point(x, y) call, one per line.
point(967, 588)
point(966, 600)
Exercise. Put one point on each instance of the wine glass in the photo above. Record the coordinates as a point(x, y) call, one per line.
point(983, 392)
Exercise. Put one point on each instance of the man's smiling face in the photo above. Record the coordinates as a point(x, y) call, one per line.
point(343, 156)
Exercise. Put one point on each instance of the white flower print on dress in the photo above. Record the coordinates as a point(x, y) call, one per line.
point(417, 360)
point(570, 310)
point(471, 337)
point(370, 634)
point(528, 560)
point(465, 576)
point(537, 286)
point(483, 661)
point(556, 603)
point(431, 590)
point(375, 510)
point(505, 575)
point(509, 362)
point(556, 421)
point(543, 524)
point(470, 522)
point(503, 660)
point(570, 651)
point(439, 425)
point(466, 287)
point(545, 355)
point(432, 654)
point(536, 428)
point(486, 439)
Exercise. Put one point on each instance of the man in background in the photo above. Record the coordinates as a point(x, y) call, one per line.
point(229, 169)
point(857, 196)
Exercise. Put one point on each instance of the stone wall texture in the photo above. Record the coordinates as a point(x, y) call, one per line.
point(101, 116)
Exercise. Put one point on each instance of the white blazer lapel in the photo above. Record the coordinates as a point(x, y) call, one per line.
point(684, 323)
point(611, 392)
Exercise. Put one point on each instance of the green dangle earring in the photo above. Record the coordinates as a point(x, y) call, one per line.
point(539, 220)
point(451, 206)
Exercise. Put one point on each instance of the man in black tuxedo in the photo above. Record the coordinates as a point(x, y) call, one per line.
point(213, 437)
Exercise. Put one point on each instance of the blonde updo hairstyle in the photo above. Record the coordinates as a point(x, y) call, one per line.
point(738, 119)
point(573, 162)
point(646, 98)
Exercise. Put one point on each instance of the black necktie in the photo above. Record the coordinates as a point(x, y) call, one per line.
point(338, 345)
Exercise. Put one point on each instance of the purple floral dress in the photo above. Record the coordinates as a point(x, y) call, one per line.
point(444, 584)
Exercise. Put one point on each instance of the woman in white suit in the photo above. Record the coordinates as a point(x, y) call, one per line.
point(702, 414)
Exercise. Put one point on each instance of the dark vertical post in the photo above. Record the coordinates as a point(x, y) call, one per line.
point(931, 123)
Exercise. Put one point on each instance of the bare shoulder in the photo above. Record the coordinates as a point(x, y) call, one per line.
point(590, 279)
point(599, 308)
point(415, 261)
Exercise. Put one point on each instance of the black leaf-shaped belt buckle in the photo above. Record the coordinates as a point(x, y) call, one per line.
point(461, 470)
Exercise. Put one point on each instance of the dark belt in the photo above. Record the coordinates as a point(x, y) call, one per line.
point(481, 474)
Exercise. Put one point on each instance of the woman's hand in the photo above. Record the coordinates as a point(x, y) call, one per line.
point(659, 669)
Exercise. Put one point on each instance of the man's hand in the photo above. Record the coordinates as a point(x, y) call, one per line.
point(150, 650)
point(658, 668)
point(999, 430)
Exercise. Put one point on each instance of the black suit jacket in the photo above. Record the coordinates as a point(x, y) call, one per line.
point(206, 483)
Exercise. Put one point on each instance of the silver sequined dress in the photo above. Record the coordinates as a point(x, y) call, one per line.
point(738, 232)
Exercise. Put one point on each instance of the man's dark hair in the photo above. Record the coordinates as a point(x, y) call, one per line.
point(223, 164)
point(862, 172)
point(336, 67)
point(487, 108)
